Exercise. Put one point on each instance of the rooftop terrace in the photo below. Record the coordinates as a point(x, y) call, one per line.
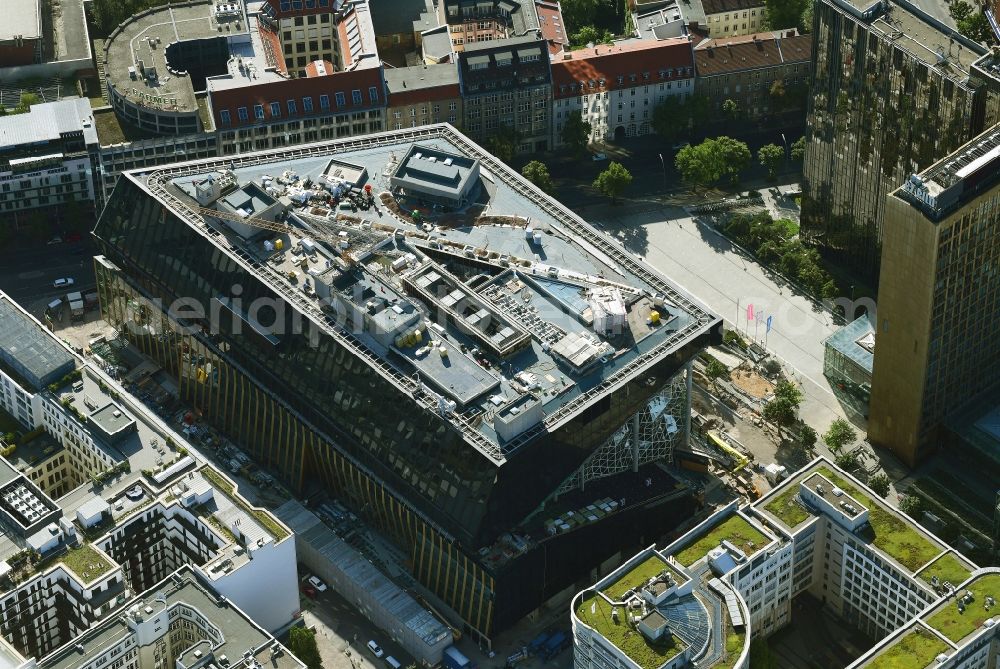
point(735, 529)
point(558, 268)
point(596, 612)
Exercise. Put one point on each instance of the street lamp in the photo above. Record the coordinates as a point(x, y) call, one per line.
point(785, 142)
point(663, 164)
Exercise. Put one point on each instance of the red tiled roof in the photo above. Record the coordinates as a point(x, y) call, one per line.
point(671, 57)
point(550, 20)
point(296, 89)
point(273, 44)
point(313, 68)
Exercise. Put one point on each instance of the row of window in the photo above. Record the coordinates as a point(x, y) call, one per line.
point(340, 98)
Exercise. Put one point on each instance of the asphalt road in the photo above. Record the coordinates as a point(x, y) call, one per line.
point(27, 273)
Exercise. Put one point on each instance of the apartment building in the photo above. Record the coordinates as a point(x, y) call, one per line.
point(305, 32)
point(507, 89)
point(616, 88)
point(936, 352)
point(470, 22)
point(732, 18)
point(747, 69)
point(183, 622)
point(48, 156)
point(21, 38)
point(893, 91)
point(820, 532)
point(421, 95)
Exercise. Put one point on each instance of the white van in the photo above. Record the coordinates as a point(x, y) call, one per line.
point(392, 662)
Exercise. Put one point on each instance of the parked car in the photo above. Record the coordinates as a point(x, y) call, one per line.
point(316, 583)
point(375, 649)
point(63, 283)
point(599, 156)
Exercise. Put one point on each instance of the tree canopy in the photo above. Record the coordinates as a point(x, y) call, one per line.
point(839, 435)
point(613, 181)
point(537, 173)
point(971, 22)
point(590, 35)
point(302, 643)
point(503, 144)
point(576, 132)
point(677, 114)
point(782, 14)
point(799, 148)
point(712, 160)
point(770, 156)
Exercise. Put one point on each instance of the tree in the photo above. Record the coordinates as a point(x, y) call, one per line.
point(704, 164)
point(715, 370)
point(977, 27)
point(613, 181)
point(537, 173)
point(672, 118)
point(590, 35)
point(734, 155)
point(847, 460)
point(782, 14)
point(770, 156)
point(503, 144)
point(839, 435)
point(880, 484)
point(25, 103)
point(778, 91)
point(781, 413)
point(787, 390)
point(731, 108)
point(302, 643)
point(799, 148)
point(807, 437)
point(911, 505)
point(578, 13)
point(576, 133)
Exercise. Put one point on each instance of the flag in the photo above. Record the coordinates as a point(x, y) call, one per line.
point(769, 319)
point(760, 316)
point(593, 608)
point(750, 312)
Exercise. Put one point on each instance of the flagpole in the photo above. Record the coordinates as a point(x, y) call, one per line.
point(737, 321)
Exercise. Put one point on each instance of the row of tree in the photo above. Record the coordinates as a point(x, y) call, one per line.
point(775, 245)
point(612, 182)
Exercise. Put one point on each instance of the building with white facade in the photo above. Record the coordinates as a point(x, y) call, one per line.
point(133, 505)
point(47, 155)
point(616, 87)
point(729, 18)
point(820, 532)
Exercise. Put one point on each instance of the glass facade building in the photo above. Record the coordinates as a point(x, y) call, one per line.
point(312, 409)
point(887, 99)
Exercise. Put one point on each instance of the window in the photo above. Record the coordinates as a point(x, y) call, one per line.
point(275, 109)
point(324, 102)
point(242, 113)
point(341, 100)
point(292, 111)
point(307, 105)
point(373, 95)
point(258, 112)
point(224, 117)
point(356, 96)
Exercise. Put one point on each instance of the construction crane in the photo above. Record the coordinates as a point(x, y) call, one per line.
point(281, 228)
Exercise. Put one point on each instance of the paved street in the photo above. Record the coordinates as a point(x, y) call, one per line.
point(26, 274)
point(708, 266)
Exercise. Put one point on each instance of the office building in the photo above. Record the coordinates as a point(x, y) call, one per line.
point(894, 90)
point(937, 350)
point(747, 69)
point(181, 622)
point(48, 156)
point(426, 377)
point(616, 88)
point(99, 500)
point(702, 599)
point(507, 90)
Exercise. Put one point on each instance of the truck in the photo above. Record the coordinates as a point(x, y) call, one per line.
point(556, 644)
point(538, 643)
point(75, 300)
point(452, 658)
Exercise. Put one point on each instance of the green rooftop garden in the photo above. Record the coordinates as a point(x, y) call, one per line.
point(734, 646)
point(915, 650)
point(627, 639)
point(86, 563)
point(786, 507)
point(735, 530)
point(894, 536)
point(955, 624)
point(946, 568)
point(642, 572)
